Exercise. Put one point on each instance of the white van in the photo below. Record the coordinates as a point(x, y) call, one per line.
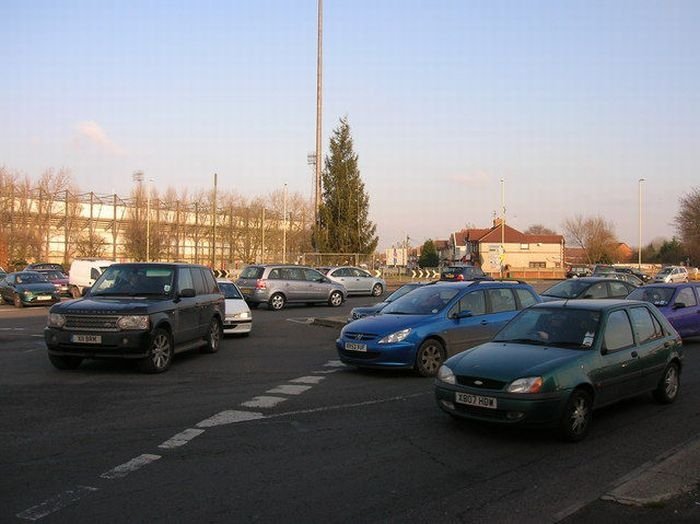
point(83, 273)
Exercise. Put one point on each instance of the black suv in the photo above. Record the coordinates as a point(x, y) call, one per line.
point(143, 311)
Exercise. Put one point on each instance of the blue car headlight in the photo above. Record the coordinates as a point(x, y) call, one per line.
point(397, 336)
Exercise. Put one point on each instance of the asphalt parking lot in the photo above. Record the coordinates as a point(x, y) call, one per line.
point(273, 428)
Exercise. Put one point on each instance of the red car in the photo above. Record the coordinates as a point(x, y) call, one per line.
point(57, 278)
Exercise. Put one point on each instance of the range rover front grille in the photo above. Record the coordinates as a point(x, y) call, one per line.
point(91, 323)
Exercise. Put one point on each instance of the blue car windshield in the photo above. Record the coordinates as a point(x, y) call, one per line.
point(659, 296)
point(561, 327)
point(426, 300)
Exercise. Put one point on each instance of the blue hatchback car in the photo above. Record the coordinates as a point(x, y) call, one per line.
point(426, 326)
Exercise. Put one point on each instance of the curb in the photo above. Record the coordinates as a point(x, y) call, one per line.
point(671, 474)
point(334, 322)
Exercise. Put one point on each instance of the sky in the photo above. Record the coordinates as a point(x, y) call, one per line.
point(569, 103)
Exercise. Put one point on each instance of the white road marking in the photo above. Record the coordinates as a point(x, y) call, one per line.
point(263, 402)
point(55, 503)
point(229, 417)
point(129, 467)
point(289, 389)
point(307, 321)
point(352, 405)
point(307, 380)
point(334, 364)
point(12, 329)
point(326, 371)
point(181, 438)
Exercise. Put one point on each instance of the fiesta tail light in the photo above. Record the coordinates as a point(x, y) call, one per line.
point(260, 284)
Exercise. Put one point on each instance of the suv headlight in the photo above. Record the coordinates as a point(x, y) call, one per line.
point(55, 320)
point(395, 337)
point(27, 294)
point(133, 322)
point(526, 385)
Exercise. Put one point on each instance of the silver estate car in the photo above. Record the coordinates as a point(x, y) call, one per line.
point(277, 285)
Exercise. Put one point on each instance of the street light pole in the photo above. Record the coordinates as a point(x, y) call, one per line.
point(284, 227)
point(639, 260)
point(503, 226)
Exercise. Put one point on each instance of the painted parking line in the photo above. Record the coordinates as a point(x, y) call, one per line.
point(334, 364)
point(307, 380)
point(263, 402)
point(55, 503)
point(129, 467)
point(289, 389)
point(229, 417)
point(181, 438)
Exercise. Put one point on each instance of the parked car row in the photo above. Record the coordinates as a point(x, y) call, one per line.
point(666, 274)
point(501, 353)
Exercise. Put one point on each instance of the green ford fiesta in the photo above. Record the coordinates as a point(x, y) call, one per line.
point(556, 362)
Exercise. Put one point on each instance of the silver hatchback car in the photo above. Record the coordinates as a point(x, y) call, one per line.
point(277, 285)
point(357, 280)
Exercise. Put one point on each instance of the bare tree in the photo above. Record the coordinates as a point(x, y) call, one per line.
point(688, 224)
point(594, 235)
point(539, 229)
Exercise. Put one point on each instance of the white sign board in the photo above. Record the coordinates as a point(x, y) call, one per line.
point(396, 256)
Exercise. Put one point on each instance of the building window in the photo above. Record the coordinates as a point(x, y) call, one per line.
point(538, 265)
point(524, 246)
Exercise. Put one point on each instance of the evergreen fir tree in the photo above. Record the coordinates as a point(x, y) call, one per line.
point(344, 214)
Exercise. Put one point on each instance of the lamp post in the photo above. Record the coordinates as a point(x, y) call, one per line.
point(502, 254)
point(639, 260)
point(284, 226)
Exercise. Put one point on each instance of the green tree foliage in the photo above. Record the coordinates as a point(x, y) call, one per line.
point(428, 255)
point(688, 224)
point(671, 252)
point(344, 214)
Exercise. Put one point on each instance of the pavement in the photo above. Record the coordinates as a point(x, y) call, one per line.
point(665, 489)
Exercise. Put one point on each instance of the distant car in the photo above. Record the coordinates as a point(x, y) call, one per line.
point(425, 326)
point(639, 274)
point(357, 280)
point(360, 312)
point(462, 272)
point(588, 287)
point(679, 303)
point(578, 271)
point(44, 265)
point(670, 274)
point(277, 285)
point(627, 277)
point(597, 352)
point(601, 269)
point(238, 318)
point(28, 288)
point(58, 279)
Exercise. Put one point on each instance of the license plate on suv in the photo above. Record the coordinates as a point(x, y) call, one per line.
point(86, 339)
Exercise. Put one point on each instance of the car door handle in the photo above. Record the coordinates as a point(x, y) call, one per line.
point(484, 322)
point(635, 354)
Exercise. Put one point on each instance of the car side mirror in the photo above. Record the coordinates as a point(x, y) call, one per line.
point(679, 305)
point(462, 314)
point(188, 292)
point(587, 295)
